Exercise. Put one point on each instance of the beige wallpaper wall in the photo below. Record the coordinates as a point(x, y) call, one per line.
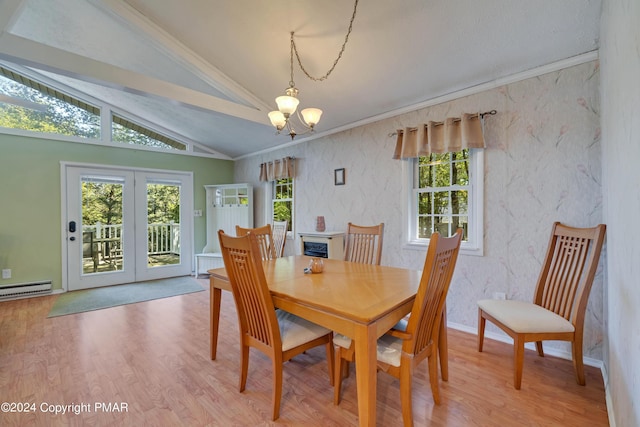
point(542, 164)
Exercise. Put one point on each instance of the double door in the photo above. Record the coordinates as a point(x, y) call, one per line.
point(125, 225)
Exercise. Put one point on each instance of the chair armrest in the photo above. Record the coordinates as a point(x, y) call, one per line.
point(400, 334)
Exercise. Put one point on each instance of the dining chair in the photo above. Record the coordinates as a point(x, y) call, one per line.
point(279, 230)
point(264, 236)
point(364, 243)
point(276, 333)
point(416, 337)
point(560, 300)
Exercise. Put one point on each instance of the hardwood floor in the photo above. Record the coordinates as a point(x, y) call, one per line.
point(153, 357)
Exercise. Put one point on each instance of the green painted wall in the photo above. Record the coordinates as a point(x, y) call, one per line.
point(30, 204)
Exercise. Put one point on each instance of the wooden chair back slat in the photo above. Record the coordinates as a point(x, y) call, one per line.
point(364, 243)
point(264, 238)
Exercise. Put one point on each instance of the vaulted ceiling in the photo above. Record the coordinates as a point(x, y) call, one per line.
point(208, 70)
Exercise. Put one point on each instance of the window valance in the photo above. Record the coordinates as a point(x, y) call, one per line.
point(454, 134)
point(278, 169)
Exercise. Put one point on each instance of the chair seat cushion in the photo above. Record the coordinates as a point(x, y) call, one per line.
point(341, 340)
point(388, 347)
point(296, 331)
point(525, 317)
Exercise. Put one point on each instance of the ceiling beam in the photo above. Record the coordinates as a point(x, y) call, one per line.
point(9, 12)
point(37, 55)
point(180, 53)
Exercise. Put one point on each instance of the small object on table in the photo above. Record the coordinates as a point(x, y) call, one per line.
point(316, 265)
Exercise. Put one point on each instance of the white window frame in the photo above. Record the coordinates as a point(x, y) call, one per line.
point(270, 193)
point(474, 245)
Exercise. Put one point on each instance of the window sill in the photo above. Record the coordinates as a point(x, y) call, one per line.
point(465, 248)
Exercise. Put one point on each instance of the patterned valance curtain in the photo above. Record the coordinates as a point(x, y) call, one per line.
point(454, 134)
point(277, 169)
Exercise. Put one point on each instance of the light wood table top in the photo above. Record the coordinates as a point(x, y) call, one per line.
point(361, 301)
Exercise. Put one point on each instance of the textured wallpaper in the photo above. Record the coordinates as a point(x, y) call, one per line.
point(542, 164)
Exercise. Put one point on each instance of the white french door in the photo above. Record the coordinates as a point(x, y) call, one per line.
point(125, 225)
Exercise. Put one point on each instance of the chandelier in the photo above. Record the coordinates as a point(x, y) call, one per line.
point(288, 103)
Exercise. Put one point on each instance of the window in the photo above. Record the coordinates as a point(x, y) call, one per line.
point(282, 201)
point(127, 132)
point(29, 105)
point(446, 194)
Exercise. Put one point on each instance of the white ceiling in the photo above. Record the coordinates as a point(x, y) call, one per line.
point(207, 71)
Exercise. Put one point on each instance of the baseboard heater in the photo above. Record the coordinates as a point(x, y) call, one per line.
point(25, 289)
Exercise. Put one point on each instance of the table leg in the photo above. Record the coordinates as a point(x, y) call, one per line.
point(366, 363)
point(216, 296)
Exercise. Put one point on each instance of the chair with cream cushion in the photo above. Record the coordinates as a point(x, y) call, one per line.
point(363, 244)
point(276, 333)
point(560, 300)
point(264, 237)
point(415, 337)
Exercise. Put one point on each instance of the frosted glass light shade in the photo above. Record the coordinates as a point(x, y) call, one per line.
point(311, 116)
point(277, 119)
point(287, 104)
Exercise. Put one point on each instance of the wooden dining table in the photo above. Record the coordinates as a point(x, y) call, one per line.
point(361, 301)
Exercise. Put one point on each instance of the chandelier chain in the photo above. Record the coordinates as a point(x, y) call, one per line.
point(344, 45)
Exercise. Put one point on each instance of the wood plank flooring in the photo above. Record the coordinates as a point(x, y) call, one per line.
point(153, 357)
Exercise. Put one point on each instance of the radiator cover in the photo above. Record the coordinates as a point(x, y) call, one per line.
point(25, 289)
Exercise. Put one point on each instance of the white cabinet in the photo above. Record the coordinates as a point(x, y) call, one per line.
point(323, 244)
point(208, 261)
point(228, 205)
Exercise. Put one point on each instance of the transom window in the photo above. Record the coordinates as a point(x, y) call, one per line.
point(447, 195)
point(30, 105)
point(282, 201)
point(128, 132)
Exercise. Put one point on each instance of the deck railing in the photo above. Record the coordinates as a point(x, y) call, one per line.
point(163, 238)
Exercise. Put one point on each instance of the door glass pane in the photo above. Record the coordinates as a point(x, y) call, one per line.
point(101, 225)
point(163, 224)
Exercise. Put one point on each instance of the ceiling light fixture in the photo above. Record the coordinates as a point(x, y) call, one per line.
point(288, 103)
